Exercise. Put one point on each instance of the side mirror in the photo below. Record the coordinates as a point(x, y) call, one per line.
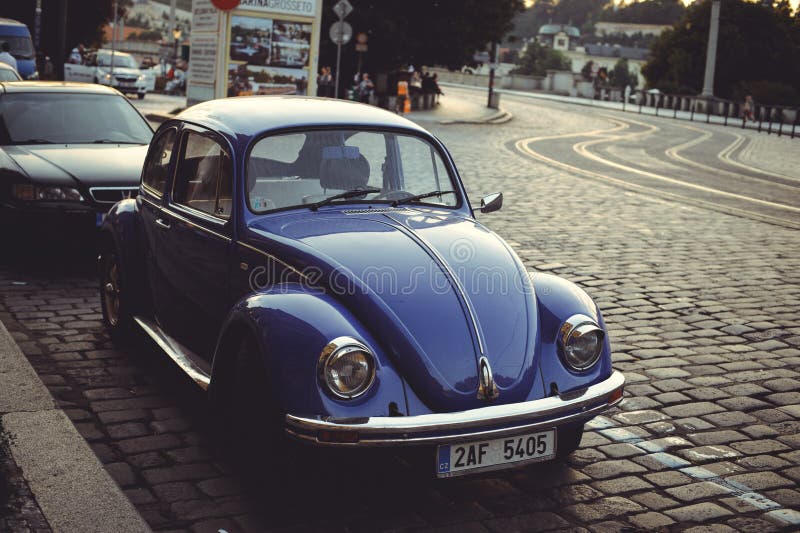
point(492, 202)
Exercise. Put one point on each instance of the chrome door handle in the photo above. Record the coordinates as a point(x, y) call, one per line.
point(163, 224)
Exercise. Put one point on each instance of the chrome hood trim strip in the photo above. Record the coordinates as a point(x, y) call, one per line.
point(455, 282)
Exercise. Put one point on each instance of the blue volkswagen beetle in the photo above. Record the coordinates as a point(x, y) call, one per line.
point(320, 260)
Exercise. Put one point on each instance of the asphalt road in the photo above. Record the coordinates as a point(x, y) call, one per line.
point(701, 298)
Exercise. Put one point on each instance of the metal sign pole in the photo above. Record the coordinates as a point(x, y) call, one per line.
point(113, 42)
point(339, 55)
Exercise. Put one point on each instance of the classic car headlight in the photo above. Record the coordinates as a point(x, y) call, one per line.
point(33, 75)
point(141, 77)
point(580, 342)
point(45, 193)
point(346, 368)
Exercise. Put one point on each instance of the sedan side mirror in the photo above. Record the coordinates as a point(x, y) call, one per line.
point(492, 202)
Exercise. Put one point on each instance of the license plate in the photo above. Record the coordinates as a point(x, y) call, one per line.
point(454, 459)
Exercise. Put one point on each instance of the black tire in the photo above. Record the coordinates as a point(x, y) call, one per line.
point(141, 95)
point(114, 301)
point(569, 439)
point(254, 423)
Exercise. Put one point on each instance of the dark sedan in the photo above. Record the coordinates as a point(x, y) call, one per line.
point(68, 149)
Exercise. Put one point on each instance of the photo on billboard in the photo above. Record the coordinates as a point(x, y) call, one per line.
point(247, 80)
point(251, 40)
point(268, 56)
point(291, 44)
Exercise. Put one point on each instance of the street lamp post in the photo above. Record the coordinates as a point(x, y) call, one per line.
point(711, 51)
point(176, 33)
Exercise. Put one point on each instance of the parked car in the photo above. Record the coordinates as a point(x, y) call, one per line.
point(316, 265)
point(68, 149)
point(125, 75)
point(16, 34)
point(7, 73)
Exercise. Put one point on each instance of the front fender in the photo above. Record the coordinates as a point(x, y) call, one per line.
point(120, 233)
point(291, 325)
point(558, 299)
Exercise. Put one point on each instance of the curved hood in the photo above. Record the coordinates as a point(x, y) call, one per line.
point(99, 165)
point(439, 291)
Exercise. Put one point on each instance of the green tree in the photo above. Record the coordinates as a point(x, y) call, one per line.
point(646, 12)
point(621, 75)
point(419, 32)
point(538, 59)
point(756, 43)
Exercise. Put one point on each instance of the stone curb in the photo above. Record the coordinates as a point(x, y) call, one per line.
point(73, 490)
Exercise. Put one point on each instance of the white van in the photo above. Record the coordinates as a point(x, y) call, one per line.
point(126, 76)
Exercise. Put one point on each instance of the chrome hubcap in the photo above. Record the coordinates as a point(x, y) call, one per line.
point(111, 291)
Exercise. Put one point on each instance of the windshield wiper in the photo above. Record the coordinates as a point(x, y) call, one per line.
point(111, 141)
point(361, 191)
point(420, 197)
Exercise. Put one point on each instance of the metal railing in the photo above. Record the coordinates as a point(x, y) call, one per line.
point(780, 120)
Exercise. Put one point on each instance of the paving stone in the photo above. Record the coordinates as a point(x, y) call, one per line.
point(697, 491)
point(651, 520)
point(622, 485)
point(704, 454)
point(602, 509)
point(761, 480)
point(751, 525)
point(700, 512)
point(607, 469)
point(716, 437)
point(692, 409)
point(752, 447)
point(670, 478)
point(527, 522)
point(179, 473)
point(148, 443)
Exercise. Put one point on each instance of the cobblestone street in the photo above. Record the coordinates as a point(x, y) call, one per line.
point(703, 313)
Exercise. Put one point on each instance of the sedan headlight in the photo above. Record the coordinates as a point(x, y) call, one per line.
point(45, 193)
point(346, 368)
point(141, 77)
point(580, 342)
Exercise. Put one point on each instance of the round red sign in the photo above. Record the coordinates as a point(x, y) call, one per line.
point(225, 5)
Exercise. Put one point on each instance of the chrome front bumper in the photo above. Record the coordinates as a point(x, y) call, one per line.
point(482, 423)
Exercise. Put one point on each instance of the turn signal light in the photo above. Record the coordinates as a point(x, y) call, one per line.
point(348, 437)
point(615, 396)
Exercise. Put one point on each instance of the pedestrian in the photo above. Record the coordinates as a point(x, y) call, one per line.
point(365, 88)
point(402, 96)
point(76, 55)
point(437, 89)
point(747, 111)
point(325, 82)
point(6, 57)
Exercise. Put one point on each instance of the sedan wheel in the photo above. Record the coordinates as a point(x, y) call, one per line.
point(116, 313)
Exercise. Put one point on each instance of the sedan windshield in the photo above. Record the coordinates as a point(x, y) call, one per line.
point(41, 118)
point(120, 60)
point(306, 168)
point(21, 46)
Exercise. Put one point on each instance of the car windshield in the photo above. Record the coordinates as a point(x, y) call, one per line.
point(305, 168)
point(60, 117)
point(21, 46)
point(120, 60)
point(7, 74)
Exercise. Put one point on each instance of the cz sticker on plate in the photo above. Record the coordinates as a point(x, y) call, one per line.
point(455, 459)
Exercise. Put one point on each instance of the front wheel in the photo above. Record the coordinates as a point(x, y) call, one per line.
point(114, 301)
point(141, 95)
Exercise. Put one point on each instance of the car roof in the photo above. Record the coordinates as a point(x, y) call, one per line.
point(10, 22)
point(54, 87)
point(251, 115)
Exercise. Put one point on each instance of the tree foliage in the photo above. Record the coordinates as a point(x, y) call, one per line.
point(419, 32)
point(756, 44)
point(621, 75)
point(538, 59)
point(646, 12)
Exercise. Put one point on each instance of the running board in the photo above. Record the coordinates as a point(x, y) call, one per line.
point(194, 366)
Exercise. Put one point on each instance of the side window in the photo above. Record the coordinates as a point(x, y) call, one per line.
point(155, 169)
point(203, 181)
point(423, 169)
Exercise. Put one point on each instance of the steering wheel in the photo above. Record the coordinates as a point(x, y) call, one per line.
point(393, 195)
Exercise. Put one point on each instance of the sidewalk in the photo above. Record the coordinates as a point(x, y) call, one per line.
point(450, 110)
point(59, 471)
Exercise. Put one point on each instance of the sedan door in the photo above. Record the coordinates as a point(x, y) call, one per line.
point(195, 243)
